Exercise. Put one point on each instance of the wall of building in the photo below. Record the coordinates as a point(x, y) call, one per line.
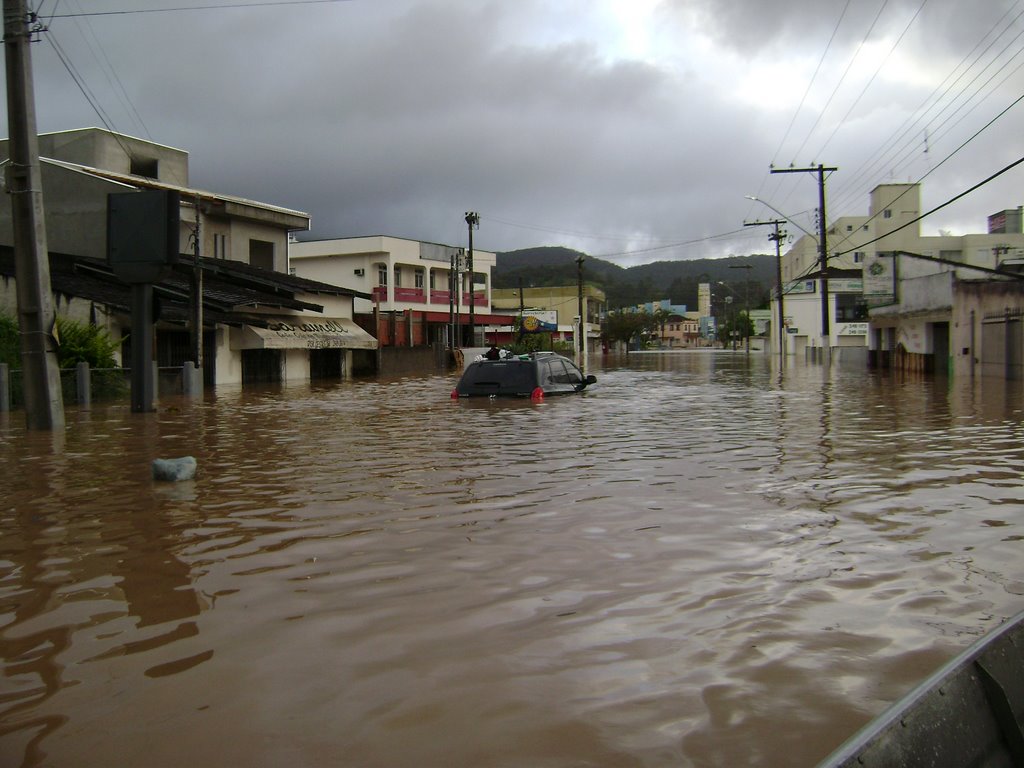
point(98, 148)
point(975, 304)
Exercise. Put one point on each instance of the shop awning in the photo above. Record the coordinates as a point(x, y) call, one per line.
point(303, 333)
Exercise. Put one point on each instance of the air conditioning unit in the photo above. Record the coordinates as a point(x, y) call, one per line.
point(360, 272)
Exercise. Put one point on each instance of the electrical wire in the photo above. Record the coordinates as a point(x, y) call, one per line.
point(842, 79)
point(218, 6)
point(937, 208)
point(99, 54)
point(871, 80)
point(888, 153)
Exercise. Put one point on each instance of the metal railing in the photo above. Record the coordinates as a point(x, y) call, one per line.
point(83, 385)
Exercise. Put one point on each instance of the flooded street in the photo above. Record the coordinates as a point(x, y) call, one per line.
point(697, 562)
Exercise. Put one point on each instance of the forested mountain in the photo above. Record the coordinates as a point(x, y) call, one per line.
point(673, 280)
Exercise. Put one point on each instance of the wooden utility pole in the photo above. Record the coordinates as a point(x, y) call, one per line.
point(44, 408)
point(820, 170)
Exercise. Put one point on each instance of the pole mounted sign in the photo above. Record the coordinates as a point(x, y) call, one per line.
point(143, 234)
point(142, 247)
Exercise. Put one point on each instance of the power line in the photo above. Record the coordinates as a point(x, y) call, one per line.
point(695, 241)
point(940, 164)
point(881, 64)
point(842, 79)
point(269, 3)
point(889, 152)
point(952, 200)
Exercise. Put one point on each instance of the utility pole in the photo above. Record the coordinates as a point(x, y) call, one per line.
point(522, 309)
point(44, 408)
point(473, 222)
point(451, 299)
point(579, 301)
point(197, 291)
point(820, 170)
point(777, 236)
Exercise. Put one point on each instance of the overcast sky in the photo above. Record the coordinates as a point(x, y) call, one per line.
point(628, 129)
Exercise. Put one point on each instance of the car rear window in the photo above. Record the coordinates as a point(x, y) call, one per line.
point(498, 377)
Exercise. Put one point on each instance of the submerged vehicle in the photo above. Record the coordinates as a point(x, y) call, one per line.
point(969, 713)
point(535, 376)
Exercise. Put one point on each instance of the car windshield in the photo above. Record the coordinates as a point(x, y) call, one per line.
point(501, 375)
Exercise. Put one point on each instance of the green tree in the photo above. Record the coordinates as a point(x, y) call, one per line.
point(626, 326)
point(740, 323)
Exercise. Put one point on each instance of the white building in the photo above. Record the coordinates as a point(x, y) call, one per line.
point(409, 285)
point(880, 304)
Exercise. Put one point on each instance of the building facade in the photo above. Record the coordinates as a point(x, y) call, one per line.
point(419, 293)
point(563, 301)
point(240, 246)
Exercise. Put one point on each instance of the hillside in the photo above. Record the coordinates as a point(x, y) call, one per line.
point(673, 280)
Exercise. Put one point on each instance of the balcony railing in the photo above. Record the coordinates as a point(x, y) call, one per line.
point(420, 295)
point(412, 295)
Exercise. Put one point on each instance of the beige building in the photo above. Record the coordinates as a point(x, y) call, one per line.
point(564, 301)
point(260, 323)
point(893, 293)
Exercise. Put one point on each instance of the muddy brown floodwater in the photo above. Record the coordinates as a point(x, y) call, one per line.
point(698, 562)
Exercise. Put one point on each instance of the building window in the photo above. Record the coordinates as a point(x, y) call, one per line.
point(261, 254)
point(851, 308)
point(382, 274)
point(144, 166)
point(398, 277)
point(887, 213)
point(418, 276)
point(858, 257)
point(220, 246)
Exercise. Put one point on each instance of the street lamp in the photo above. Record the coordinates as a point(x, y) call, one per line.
point(783, 215)
point(746, 301)
point(732, 326)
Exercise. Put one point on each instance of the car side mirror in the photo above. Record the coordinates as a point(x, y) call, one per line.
point(591, 379)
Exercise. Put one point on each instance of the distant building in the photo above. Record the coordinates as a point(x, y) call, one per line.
point(563, 301)
point(410, 299)
point(895, 297)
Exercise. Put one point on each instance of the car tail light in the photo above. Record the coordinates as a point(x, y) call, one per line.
point(537, 394)
point(455, 394)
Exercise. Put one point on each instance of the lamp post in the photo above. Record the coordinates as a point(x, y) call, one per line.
point(732, 325)
point(746, 301)
point(473, 222)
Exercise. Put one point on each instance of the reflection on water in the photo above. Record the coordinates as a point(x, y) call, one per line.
point(700, 561)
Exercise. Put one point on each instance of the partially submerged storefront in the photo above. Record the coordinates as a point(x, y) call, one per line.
point(259, 326)
point(289, 347)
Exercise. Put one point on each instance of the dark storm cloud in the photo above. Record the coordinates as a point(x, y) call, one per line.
point(397, 117)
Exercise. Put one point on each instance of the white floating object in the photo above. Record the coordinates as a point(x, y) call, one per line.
point(173, 470)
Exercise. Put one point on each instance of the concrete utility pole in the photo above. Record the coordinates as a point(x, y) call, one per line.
point(44, 408)
point(583, 318)
point(197, 290)
point(473, 222)
point(777, 236)
point(820, 170)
